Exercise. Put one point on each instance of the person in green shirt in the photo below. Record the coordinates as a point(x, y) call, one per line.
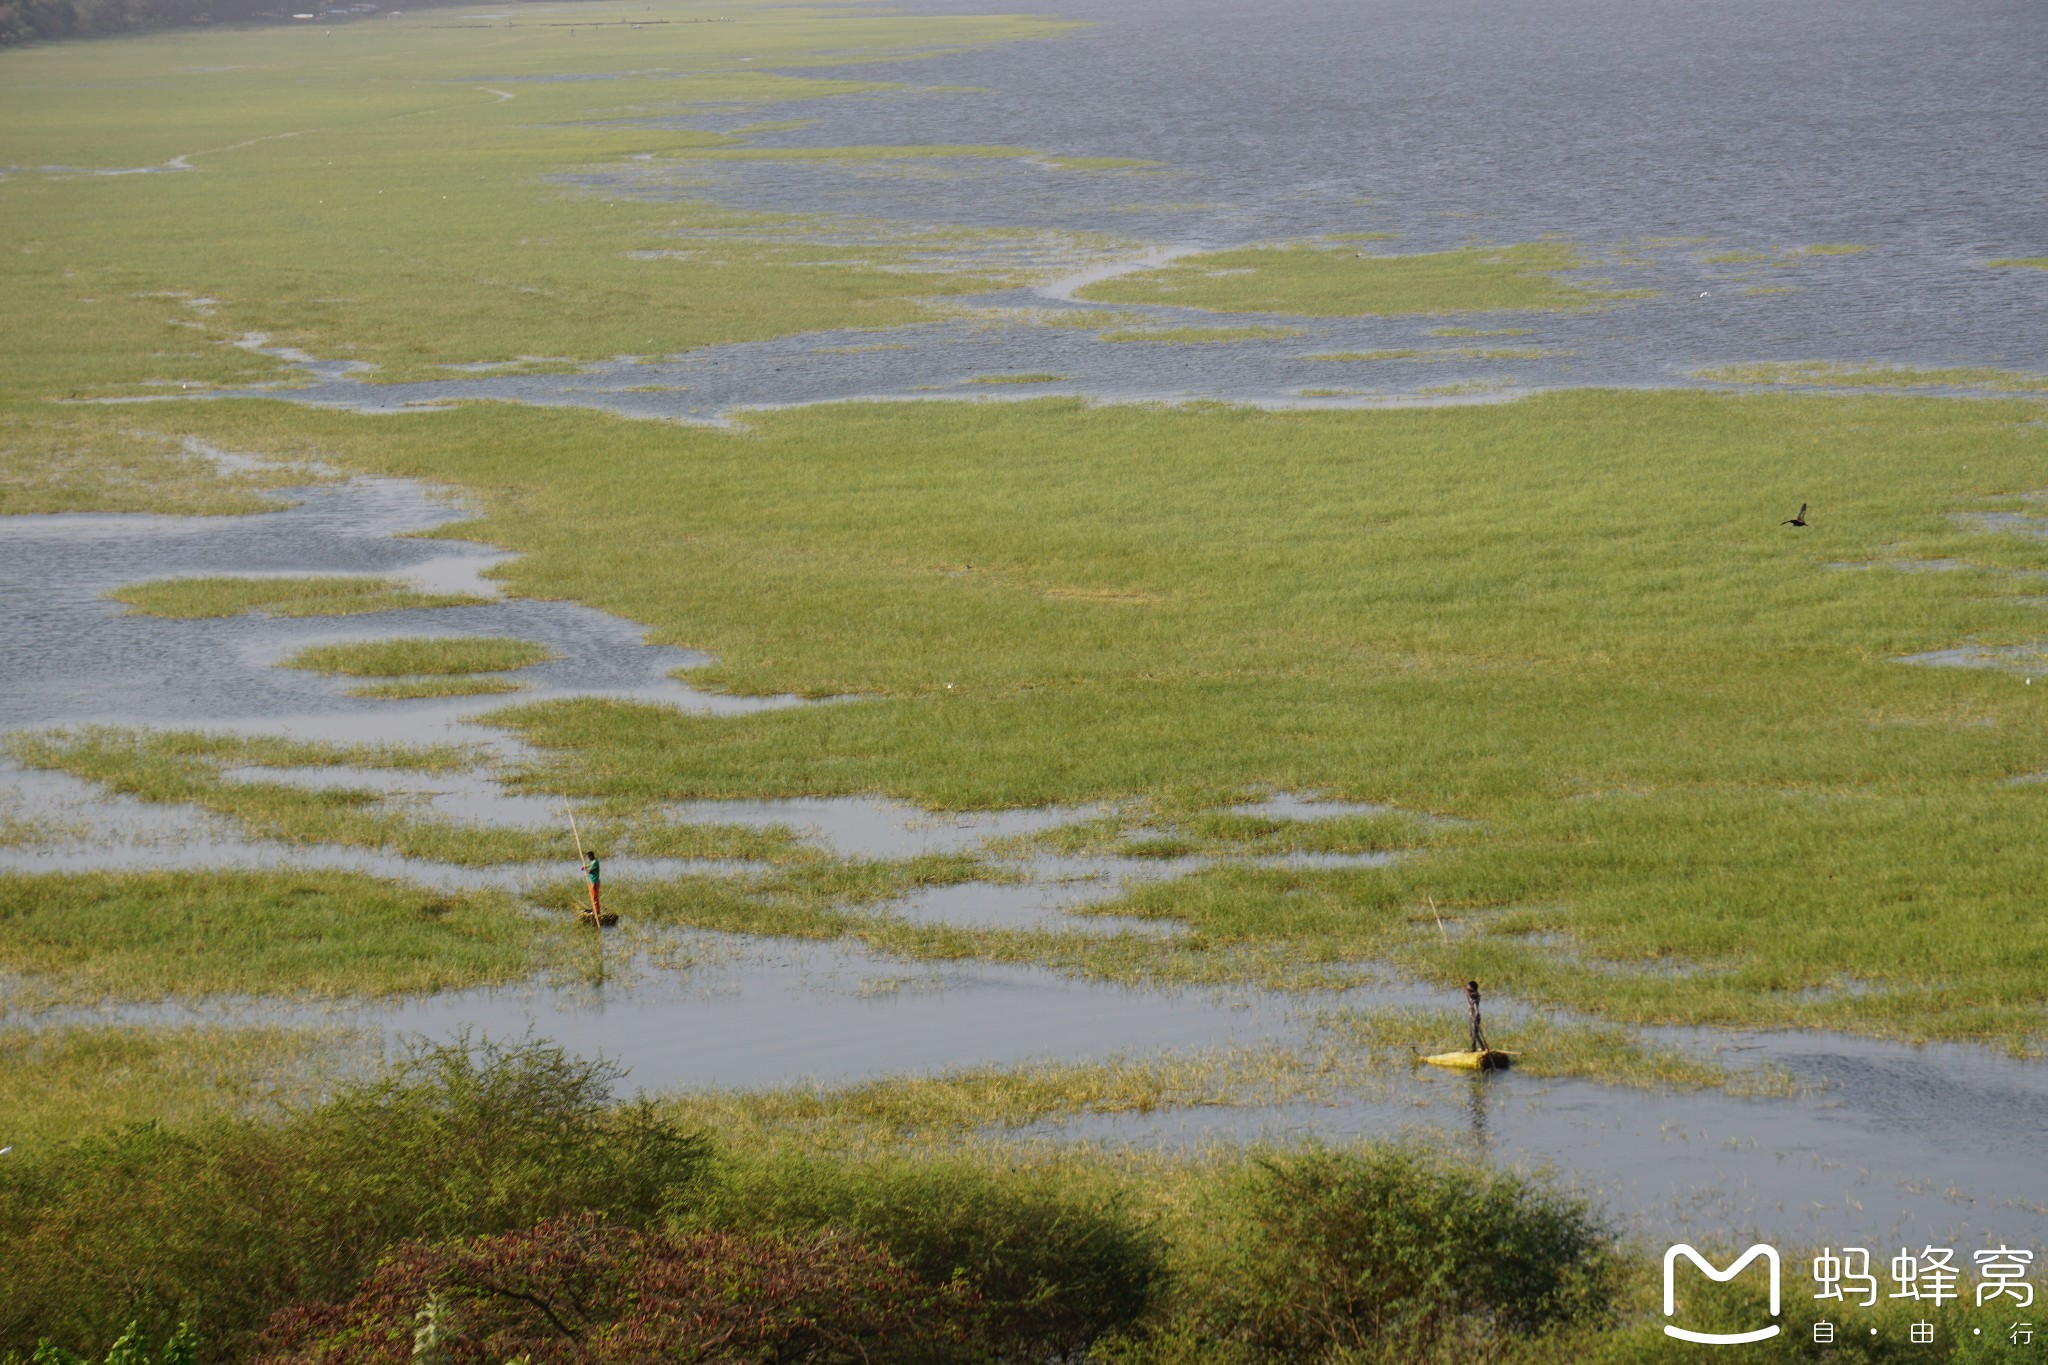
point(592, 871)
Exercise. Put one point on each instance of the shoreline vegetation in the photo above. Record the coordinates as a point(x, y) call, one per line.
point(325, 1222)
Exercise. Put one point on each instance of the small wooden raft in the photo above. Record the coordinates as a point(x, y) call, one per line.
point(1489, 1060)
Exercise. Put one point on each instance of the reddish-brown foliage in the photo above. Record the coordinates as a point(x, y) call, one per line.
point(575, 1291)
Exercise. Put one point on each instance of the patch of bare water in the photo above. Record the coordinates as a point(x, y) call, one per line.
point(752, 1012)
point(71, 656)
point(1890, 1143)
point(1305, 806)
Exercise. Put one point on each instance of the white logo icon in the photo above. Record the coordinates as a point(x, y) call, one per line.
point(1768, 1253)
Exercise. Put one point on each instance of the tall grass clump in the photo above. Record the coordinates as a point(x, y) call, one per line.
point(1386, 1254)
point(420, 655)
point(1056, 1262)
point(223, 1223)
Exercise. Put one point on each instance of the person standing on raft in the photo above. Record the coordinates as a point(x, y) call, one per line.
point(593, 871)
point(1471, 1005)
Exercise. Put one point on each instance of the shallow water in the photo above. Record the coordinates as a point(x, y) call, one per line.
point(1899, 1143)
point(1654, 139)
point(71, 656)
point(771, 1012)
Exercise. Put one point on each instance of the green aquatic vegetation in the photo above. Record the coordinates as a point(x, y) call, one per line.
point(1480, 331)
point(1737, 257)
point(58, 1082)
point(1196, 336)
point(1335, 393)
point(1518, 568)
point(405, 689)
point(110, 753)
point(192, 598)
point(390, 204)
point(1019, 378)
point(87, 462)
point(84, 937)
point(914, 152)
point(452, 654)
point(1771, 289)
point(1315, 281)
point(958, 1104)
point(1464, 388)
point(183, 768)
point(190, 767)
point(1835, 374)
point(1077, 317)
point(1830, 249)
point(2024, 262)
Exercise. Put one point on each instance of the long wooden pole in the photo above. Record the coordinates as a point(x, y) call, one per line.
point(574, 833)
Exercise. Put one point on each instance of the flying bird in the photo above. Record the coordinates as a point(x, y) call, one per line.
point(1799, 520)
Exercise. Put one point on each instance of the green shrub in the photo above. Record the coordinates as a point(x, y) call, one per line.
point(1056, 1263)
point(1383, 1253)
point(130, 1348)
point(577, 1290)
point(223, 1223)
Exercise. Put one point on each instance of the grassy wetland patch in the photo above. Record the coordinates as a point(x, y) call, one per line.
point(58, 1083)
point(1318, 620)
point(1834, 374)
point(92, 936)
point(188, 767)
point(89, 462)
point(420, 656)
point(1314, 280)
point(185, 599)
point(347, 139)
point(412, 689)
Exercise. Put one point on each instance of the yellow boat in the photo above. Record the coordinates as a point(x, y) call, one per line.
point(1489, 1060)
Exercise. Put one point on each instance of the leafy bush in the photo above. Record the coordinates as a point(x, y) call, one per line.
point(576, 1290)
point(1383, 1253)
point(223, 1223)
point(130, 1348)
point(1055, 1264)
